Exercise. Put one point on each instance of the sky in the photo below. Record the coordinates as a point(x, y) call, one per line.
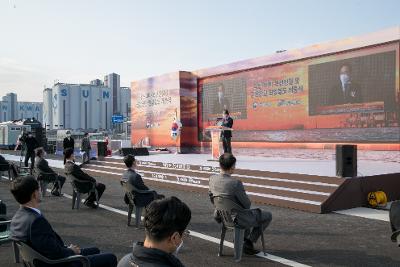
point(76, 41)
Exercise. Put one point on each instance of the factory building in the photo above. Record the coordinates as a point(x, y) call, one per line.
point(11, 109)
point(78, 106)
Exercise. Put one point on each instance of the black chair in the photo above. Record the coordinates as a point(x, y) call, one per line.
point(394, 216)
point(8, 167)
point(5, 234)
point(82, 187)
point(45, 178)
point(131, 193)
point(30, 257)
point(227, 210)
point(5, 237)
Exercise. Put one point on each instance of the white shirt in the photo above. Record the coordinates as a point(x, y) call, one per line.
point(38, 211)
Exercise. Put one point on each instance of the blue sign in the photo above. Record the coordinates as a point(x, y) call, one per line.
point(117, 119)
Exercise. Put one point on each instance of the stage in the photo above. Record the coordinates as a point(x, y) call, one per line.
point(284, 178)
point(298, 183)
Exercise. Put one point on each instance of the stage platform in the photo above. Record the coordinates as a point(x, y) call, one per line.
point(304, 184)
point(291, 182)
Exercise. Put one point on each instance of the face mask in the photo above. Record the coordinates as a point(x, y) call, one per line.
point(29, 135)
point(68, 135)
point(344, 78)
point(175, 253)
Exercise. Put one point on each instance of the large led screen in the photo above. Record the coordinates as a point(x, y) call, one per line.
point(351, 96)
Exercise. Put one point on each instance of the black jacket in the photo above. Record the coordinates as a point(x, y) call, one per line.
point(351, 94)
point(71, 168)
point(33, 229)
point(85, 144)
point(136, 180)
point(31, 144)
point(227, 123)
point(4, 164)
point(149, 257)
point(68, 143)
point(43, 169)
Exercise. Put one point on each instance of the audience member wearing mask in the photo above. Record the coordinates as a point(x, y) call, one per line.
point(31, 144)
point(43, 171)
point(346, 91)
point(226, 136)
point(165, 224)
point(30, 226)
point(68, 142)
point(221, 102)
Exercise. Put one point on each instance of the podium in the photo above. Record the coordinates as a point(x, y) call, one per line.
point(215, 140)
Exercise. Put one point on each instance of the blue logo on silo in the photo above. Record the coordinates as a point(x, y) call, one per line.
point(64, 92)
point(85, 93)
point(106, 94)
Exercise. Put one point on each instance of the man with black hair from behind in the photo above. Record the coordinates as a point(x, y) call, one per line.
point(165, 228)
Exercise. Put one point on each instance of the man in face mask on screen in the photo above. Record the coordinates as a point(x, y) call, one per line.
point(347, 91)
point(165, 225)
point(222, 102)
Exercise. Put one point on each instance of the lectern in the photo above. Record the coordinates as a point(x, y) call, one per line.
point(215, 139)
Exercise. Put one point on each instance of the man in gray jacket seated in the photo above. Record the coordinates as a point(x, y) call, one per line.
point(43, 171)
point(224, 184)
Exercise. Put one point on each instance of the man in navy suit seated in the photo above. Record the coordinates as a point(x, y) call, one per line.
point(31, 227)
point(135, 179)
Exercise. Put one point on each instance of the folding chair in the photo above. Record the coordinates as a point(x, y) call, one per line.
point(44, 178)
point(227, 209)
point(131, 193)
point(31, 257)
point(82, 187)
point(8, 166)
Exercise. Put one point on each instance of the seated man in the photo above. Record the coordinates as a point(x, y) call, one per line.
point(43, 171)
point(31, 227)
point(132, 177)
point(165, 223)
point(72, 169)
point(225, 184)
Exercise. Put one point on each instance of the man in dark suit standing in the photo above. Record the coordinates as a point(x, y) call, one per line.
point(222, 102)
point(226, 136)
point(43, 171)
point(224, 184)
point(68, 141)
point(346, 91)
point(31, 227)
point(135, 179)
point(85, 148)
point(31, 144)
point(72, 169)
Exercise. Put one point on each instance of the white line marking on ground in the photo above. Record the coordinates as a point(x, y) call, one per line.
point(381, 215)
point(203, 236)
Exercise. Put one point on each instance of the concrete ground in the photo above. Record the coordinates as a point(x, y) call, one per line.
point(294, 238)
